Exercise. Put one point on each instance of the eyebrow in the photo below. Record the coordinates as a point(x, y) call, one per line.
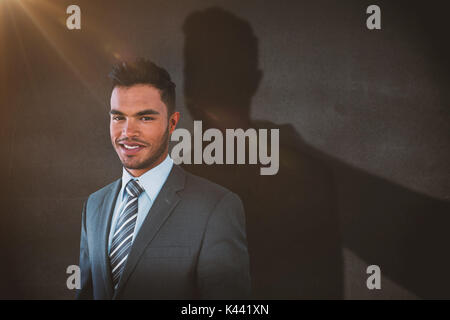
point(140, 113)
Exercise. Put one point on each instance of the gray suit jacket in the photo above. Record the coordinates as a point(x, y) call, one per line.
point(192, 244)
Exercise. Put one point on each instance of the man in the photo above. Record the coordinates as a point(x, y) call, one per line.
point(158, 232)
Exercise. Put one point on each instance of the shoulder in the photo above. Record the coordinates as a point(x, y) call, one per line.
point(97, 197)
point(202, 190)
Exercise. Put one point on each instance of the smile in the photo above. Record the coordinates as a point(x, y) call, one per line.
point(130, 149)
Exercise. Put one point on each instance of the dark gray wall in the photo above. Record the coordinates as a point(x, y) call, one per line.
point(363, 112)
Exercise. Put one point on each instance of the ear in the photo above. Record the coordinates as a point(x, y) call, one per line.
point(173, 121)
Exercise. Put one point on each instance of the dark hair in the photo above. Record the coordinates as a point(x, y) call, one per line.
point(143, 71)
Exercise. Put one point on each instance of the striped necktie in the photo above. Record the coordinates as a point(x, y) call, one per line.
point(123, 233)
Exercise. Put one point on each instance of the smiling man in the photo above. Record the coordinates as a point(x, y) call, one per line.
point(140, 125)
point(158, 232)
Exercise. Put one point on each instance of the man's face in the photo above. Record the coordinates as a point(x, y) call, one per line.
point(140, 127)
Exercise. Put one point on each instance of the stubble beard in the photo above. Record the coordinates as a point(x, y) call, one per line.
point(149, 162)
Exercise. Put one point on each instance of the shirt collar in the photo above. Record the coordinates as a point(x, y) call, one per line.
point(151, 181)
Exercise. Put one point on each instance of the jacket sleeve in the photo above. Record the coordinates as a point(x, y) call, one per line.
point(223, 263)
point(86, 291)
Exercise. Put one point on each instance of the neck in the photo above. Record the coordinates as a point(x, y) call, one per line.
point(139, 172)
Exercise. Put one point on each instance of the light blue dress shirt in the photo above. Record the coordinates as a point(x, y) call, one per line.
point(152, 182)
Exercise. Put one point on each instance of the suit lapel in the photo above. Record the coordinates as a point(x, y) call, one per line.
point(161, 209)
point(106, 213)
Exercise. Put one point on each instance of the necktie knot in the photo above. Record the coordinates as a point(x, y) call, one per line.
point(133, 188)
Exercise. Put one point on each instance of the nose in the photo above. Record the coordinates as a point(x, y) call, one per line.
point(130, 129)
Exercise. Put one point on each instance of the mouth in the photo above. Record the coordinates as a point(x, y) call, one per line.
point(130, 148)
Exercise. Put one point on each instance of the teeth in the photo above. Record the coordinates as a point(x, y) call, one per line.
point(130, 147)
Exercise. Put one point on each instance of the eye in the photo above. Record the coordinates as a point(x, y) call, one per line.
point(147, 118)
point(117, 118)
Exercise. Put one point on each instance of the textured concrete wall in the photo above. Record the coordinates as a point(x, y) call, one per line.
point(370, 106)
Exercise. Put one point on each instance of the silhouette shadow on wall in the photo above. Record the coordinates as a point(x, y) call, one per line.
point(299, 220)
point(292, 225)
